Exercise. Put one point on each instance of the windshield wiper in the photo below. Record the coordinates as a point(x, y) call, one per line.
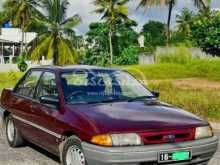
point(109, 101)
point(140, 98)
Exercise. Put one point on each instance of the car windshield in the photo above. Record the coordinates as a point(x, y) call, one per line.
point(101, 86)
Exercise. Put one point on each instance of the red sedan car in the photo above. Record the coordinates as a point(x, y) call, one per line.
point(98, 116)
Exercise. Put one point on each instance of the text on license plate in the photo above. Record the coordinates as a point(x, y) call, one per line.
point(174, 156)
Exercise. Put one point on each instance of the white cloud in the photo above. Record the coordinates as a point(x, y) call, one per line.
point(85, 9)
point(216, 9)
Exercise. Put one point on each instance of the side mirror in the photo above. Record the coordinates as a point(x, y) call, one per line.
point(156, 93)
point(50, 100)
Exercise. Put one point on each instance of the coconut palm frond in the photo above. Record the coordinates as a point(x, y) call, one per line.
point(41, 48)
point(57, 28)
point(71, 22)
point(66, 55)
point(202, 4)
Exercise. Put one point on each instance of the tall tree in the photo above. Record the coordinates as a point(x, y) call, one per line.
point(53, 29)
point(111, 11)
point(185, 21)
point(155, 34)
point(205, 30)
point(98, 45)
point(201, 4)
point(18, 12)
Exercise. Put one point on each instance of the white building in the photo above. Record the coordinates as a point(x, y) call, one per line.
point(10, 43)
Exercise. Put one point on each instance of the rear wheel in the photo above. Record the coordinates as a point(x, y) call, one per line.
point(72, 153)
point(13, 136)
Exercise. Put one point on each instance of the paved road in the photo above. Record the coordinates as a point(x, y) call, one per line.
point(32, 155)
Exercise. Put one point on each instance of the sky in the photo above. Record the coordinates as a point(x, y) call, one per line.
point(85, 9)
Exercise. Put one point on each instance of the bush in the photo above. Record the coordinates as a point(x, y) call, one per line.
point(155, 34)
point(9, 79)
point(22, 65)
point(206, 33)
point(179, 55)
point(129, 56)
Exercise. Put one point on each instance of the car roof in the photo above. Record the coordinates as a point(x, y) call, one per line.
point(73, 67)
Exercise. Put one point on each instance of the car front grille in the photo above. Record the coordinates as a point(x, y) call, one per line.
point(168, 136)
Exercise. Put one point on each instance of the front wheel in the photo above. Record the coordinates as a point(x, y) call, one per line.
point(72, 153)
point(13, 136)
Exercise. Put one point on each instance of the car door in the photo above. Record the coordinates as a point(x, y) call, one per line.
point(44, 115)
point(21, 103)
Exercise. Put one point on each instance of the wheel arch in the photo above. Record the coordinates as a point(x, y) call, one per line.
point(69, 133)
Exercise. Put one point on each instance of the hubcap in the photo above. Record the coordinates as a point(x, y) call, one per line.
point(10, 130)
point(75, 156)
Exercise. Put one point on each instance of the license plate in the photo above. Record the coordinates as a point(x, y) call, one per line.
point(174, 156)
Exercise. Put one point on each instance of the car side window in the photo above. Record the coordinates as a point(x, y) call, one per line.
point(28, 85)
point(47, 86)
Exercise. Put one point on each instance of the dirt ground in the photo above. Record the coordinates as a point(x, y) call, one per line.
point(196, 83)
point(192, 83)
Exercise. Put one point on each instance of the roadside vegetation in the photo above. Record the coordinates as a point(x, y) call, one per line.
point(204, 69)
point(186, 82)
point(9, 79)
point(203, 101)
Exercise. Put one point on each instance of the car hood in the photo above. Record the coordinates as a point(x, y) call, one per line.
point(136, 117)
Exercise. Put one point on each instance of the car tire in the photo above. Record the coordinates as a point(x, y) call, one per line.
point(72, 153)
point(13, 135)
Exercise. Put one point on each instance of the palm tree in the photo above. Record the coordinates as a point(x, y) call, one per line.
point(185, 21)
point(53, 29)
point(111, 11)
point(201, 4)
point(18, 12)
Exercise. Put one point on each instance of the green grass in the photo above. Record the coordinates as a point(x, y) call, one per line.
point(181, 55)
point(203, 102)
point(9, 79)
point(206, 69)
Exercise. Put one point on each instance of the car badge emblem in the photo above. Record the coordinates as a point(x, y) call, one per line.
point(170, 138)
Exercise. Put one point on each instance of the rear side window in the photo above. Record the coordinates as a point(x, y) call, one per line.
point(47, 86)
point(28, 85)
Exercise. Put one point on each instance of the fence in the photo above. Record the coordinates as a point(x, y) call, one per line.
point(195, 52)
point(150, 58)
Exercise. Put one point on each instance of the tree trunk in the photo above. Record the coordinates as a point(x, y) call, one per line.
point(169, 21)
point(203, 4)
point(22, 42)
point(56, 51)
point(110, 45)
point(23, 33)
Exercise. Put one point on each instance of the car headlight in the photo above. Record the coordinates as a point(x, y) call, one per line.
point(203, 132)
point(130, 139)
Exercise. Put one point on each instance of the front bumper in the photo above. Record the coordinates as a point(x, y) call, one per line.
point(202, 152)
